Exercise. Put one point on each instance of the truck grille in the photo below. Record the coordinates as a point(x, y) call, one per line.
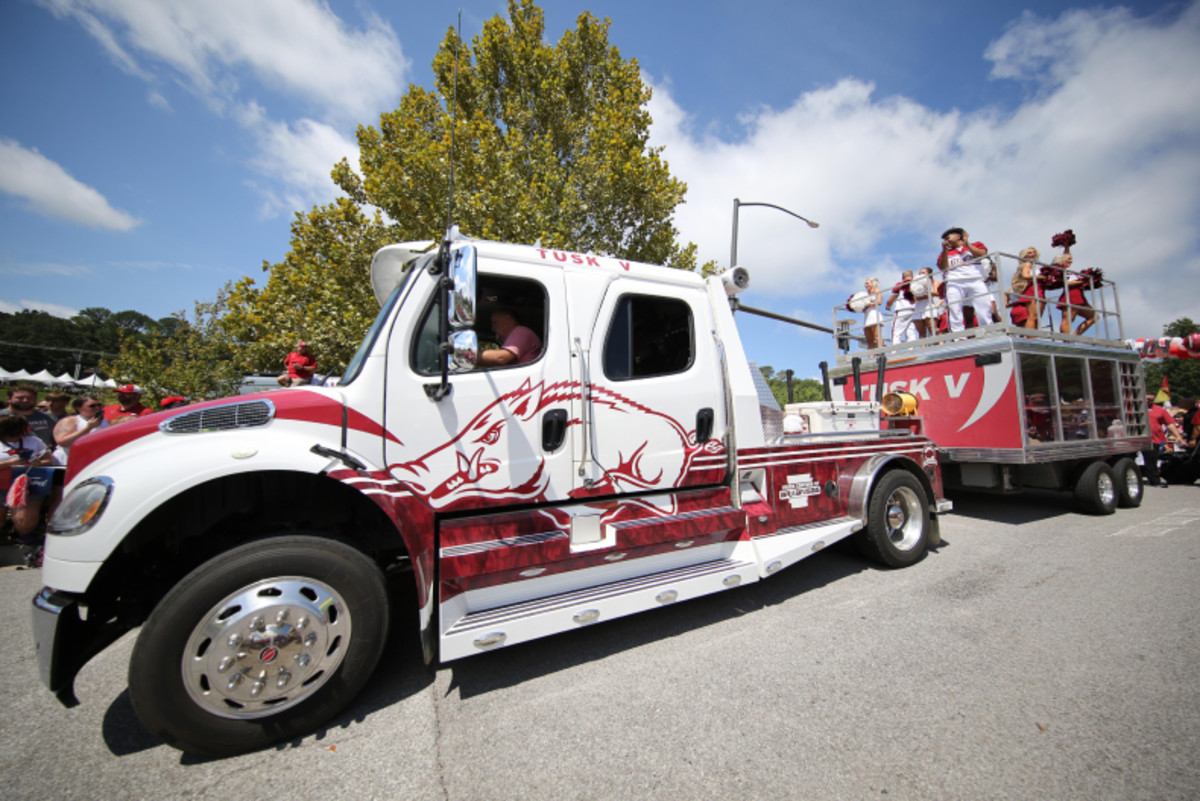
point(220, 418)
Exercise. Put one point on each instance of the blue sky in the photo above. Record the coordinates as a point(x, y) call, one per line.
point(152, 150)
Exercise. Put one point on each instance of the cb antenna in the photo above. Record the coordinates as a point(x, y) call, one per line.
point(453, 127)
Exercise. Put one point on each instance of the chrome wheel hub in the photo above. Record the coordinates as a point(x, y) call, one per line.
point(266, 647)
point(1132, 488)
point(904, 523)
point(1106, 489)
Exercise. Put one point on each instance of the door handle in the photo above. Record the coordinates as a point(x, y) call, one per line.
point(704, 425)
point(554, 429)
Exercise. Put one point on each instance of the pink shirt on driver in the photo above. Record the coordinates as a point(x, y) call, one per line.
point(523, 343)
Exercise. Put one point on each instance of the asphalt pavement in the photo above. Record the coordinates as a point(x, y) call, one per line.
point(1038, 653)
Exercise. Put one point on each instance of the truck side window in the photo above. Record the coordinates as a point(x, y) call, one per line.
point(649, 336)
point(523, 298)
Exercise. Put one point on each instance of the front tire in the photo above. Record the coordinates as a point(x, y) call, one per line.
point(259, 645)
point(1096, 489)
point(897, 529)
point(1129, 483)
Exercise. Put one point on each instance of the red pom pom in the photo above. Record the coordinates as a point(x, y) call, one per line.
point(1064, 240)
point(1050, 278)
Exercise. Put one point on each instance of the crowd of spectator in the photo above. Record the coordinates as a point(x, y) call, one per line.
point(36, 437)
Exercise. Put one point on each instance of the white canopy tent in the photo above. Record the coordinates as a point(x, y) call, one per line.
point(43, 376)
point(20, 375)
point(65, 378)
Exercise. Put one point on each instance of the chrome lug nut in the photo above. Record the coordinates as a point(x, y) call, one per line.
point(281, 615)
point(225, 664)
point(302, 660)
point(234, 640)
point(257, 623)
point(257, 688)
point(234, 681)
point(282, 680)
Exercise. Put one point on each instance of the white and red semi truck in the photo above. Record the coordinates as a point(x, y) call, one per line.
point(628, 466)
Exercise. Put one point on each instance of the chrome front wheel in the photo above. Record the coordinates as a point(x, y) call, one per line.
point(260, 644)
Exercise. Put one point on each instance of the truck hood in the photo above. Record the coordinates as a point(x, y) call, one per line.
point(323, 405)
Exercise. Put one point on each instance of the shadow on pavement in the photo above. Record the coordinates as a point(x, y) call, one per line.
point(1028, 506)
point(402, 673)
point(532, 660)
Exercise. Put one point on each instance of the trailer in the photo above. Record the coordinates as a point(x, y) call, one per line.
point(1013, 407)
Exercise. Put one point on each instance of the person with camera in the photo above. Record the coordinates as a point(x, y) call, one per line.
point(25, 487)
point(965, 278)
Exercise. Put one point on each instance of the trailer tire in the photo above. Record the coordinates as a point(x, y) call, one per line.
point(1129, 483)
point(302, 620)
point(1096, 489)
point(897, 529)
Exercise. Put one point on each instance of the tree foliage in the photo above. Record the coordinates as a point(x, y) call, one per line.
point(35, 340)
point(320, 292)
point(1183, 375)
point(549, 145)
point(804, 390)
point(187, 358)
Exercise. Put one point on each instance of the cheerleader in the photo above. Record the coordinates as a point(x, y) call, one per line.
point(1025, 298)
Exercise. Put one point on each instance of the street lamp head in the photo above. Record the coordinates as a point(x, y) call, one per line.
point(812, 224)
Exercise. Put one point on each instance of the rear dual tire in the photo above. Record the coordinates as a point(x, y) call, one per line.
point(1096, 489)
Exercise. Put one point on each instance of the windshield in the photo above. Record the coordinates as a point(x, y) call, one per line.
point(368, 342)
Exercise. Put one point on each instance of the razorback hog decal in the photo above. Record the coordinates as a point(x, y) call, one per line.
point(646, 450)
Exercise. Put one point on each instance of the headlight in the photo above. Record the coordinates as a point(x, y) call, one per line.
point(82, 507)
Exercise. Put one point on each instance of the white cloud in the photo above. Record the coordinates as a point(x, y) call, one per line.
point(297, 159)
point(1106, 144)
point(50, 190)
point(55, 309)
point(297, 47)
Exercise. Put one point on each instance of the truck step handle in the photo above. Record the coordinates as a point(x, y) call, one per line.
point(704, 425)
point(554, 429)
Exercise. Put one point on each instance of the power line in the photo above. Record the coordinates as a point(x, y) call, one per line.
point(52, 347)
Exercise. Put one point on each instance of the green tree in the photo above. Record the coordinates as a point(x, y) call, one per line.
point(320, 292)
point(1183, 375)
point(804, 390)
point(192, 358)
point(550, 146)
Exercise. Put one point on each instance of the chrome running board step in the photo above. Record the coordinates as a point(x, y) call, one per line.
point(488, 629)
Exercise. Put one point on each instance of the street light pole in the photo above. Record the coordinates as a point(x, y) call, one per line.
point(738, 204)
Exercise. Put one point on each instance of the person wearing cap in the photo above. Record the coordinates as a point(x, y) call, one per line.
point(128, 405)
point(300, 365)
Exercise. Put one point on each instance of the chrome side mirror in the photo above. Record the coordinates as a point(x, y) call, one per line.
point(464, 351)
point(462, 292)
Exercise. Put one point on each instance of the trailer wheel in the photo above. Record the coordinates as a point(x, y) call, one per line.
point(1096, 489)
point(1129, 483)
point(897, 529)
point(259, 645)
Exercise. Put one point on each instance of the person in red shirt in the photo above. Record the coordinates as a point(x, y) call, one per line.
point(128, 405)
point(300, 365)
point(1162, 429)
